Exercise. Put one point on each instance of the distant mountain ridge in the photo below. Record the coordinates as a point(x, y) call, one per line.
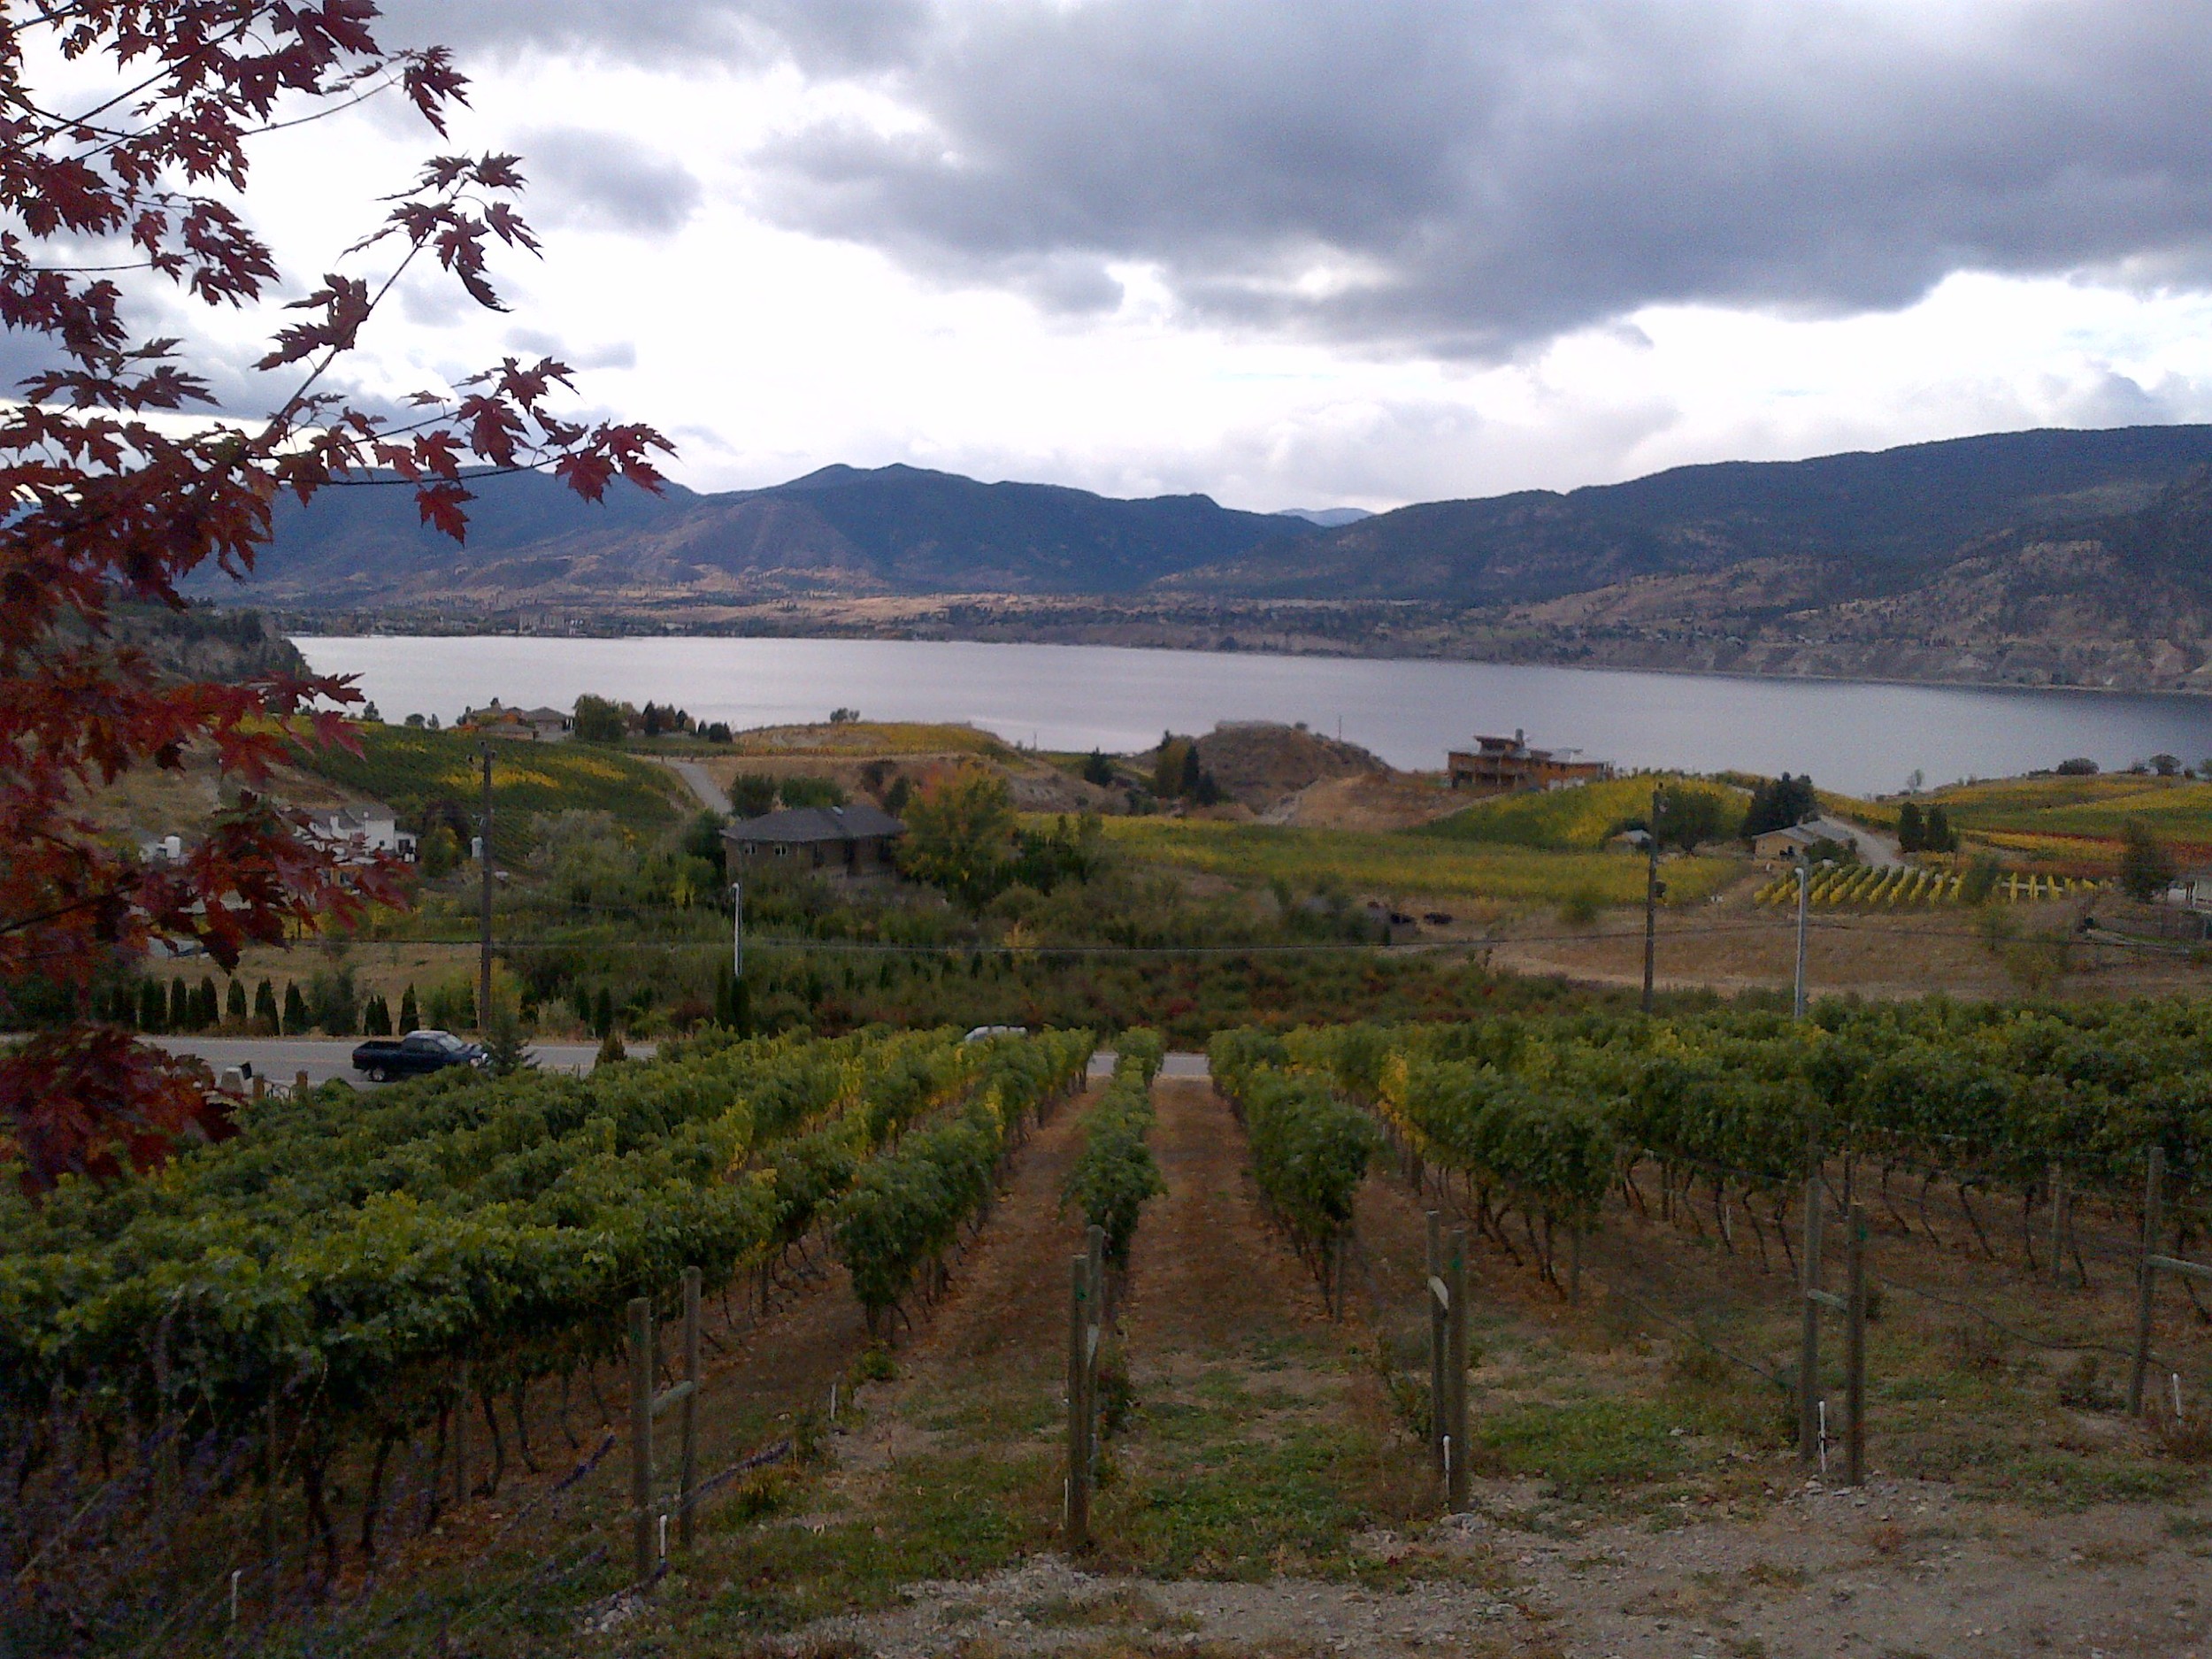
point(1869, 515)
point(846, 530)
point(2044, 557)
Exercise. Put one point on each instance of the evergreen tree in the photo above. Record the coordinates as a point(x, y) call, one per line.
point(1779, 803)
point(207, 1013)
point(2145, 868)
point(152, 1011)
point(1911, 834)
point(1098, 770)
point(234, 1003)
point(376, 1018)
point(603, 1014)
point(295, 1011)
point(1192, 777)
point(410, 1016)
point(264, 1008)
point(179, 1006)
point(1936, 834)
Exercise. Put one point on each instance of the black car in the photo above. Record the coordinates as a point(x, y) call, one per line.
point(418, 1052)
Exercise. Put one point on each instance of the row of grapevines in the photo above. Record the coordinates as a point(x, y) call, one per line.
point(354, 1251)
point(1977, 1095)
point(1309, 1148)
point(1114, 1173)
point(905, 1210)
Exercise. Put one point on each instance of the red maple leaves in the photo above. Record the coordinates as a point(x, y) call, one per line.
point(109, 505)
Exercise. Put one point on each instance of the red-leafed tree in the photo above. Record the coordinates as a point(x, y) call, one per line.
point(116, 494)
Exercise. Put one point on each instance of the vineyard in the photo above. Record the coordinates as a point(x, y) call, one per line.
point(1874, 887)
point(302, 1305)
point(422, 775)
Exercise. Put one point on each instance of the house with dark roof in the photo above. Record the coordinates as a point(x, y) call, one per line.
point(840, 844)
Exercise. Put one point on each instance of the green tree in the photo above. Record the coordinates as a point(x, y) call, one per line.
point(376, 1017)
point(439, 852)
point(959, 832)
point(803, 789)
point(901, 792)
point(265, 1009)
point(1936, 834)
point(1777, 804)
point(234, 1003)
point(1168, 766)
point(1911, 833)
point(1690, 815)
point(702, 841)
point(1098, 770)
point(1979, 881)
point(294, 1009)
point(410, 1014)
point(599, 720)
point(752, 794)
point(506, 1050)
point(207, 1010)
point(180, 1009)
point(2146, 868)
point(152, 1008)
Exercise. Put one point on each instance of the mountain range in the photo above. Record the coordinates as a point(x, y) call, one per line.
point(2042, 556)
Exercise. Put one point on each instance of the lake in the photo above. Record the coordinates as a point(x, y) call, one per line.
point(1850, 735)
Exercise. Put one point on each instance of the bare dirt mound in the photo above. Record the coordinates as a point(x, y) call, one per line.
point(1258, 762)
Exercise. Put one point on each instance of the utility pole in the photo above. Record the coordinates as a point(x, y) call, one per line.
point(484, 959)
point(1651, 894)
point(1804, 888)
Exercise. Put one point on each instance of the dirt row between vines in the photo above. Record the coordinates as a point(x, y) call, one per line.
point(1262, 1493)
point(1265, 1496)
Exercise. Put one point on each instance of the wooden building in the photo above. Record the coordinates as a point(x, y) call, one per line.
point(1502, 766)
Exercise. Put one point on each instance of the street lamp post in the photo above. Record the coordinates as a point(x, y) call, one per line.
point(1652, 890)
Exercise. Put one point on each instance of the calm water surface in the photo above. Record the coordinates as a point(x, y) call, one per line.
point(1849, 735)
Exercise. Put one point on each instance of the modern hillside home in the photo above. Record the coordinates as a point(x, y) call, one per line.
point(854, 843)
point(1501, 765)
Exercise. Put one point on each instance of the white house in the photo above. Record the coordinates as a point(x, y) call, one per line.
point(374, 828)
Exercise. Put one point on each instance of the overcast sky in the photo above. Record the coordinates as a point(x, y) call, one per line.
point(1298, 253)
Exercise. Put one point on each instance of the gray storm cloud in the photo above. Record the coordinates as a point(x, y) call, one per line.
point(1469, 178)
point(601, 181)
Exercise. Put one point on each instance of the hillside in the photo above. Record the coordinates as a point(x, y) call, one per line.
point(2033, 558)
point(1858, 518)
point(842, 530)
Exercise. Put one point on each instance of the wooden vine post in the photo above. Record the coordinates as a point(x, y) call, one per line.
point(1447, 1353)
point(1437, 1341)
point(1082, 1338)
point(1808, 1336)
point(648, 1519)
point(2154, 1262)
point(1854, 1349)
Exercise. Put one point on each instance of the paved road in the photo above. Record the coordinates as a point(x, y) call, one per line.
point(1174, 1066)
point(702, 786)
point(281, 1059)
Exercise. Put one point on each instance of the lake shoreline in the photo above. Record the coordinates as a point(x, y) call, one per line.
point(1865, 736)
point(889, 636)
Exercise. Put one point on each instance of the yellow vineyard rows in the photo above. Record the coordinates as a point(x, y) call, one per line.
point(1872, 887)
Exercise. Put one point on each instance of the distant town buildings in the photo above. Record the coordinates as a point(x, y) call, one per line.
point(1501, 765)
point(853, 843)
